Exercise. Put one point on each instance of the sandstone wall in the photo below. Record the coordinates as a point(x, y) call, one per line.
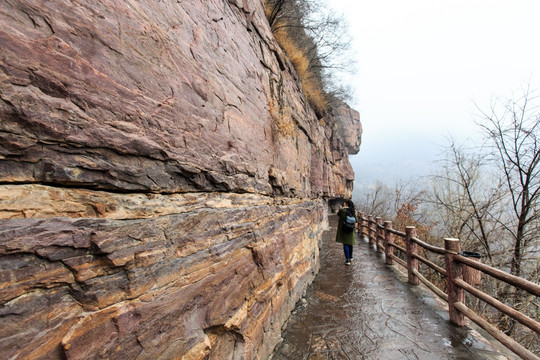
point(162, 180)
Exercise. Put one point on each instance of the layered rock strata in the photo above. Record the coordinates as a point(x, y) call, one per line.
point(162, 180)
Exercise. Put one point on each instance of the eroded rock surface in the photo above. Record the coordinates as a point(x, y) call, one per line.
point(162, 180)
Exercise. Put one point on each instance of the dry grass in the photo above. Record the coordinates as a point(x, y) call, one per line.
point(293, 51)
point(312, 87)
point(315, 94)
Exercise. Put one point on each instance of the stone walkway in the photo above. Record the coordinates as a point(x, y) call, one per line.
point(368, 311)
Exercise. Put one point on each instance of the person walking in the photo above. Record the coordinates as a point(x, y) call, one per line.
point(345, 231)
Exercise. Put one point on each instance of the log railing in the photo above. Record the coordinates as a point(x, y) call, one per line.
point(461, 273)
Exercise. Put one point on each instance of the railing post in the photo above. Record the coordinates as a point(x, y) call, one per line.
point(388, 241)
point(378, 234)
point(454, 270)
point(361, 224)
point(370, 229)
point(412, 249)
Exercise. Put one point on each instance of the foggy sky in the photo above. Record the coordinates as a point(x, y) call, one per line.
point(424, 66)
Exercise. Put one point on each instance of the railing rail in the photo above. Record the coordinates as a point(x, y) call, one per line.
point(381, 235)
point(523, 284)
point(435, 249)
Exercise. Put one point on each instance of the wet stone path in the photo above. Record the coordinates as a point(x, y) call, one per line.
point(368, 311)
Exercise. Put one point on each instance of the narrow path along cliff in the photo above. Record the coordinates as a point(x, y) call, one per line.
point(367, 311)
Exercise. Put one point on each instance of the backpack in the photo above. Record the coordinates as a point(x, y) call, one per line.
point(348, 224)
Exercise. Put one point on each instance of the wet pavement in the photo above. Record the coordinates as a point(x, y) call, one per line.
point(368, 311)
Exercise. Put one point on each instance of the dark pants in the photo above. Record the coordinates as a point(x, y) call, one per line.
point(348, 251)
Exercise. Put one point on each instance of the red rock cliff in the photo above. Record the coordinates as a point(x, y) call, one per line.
point(162, 180)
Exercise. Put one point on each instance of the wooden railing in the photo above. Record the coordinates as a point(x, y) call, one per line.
point(461, 272)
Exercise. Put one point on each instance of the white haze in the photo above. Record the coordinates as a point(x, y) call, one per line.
point(424, 65)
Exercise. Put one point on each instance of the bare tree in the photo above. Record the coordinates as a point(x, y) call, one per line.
point(377, 201)
point(514, 132)
point(469, 200)
point(385, 201)
point(284, 13)
point(513, 129)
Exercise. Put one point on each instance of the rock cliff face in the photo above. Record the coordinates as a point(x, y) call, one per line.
point(162, 180)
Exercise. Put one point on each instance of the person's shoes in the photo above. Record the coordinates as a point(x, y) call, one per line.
point(351, 259)
point(348, 262)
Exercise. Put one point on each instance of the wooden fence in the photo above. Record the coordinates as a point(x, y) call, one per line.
point(462, 273)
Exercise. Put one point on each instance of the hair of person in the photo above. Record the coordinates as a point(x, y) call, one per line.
point(350, 207)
